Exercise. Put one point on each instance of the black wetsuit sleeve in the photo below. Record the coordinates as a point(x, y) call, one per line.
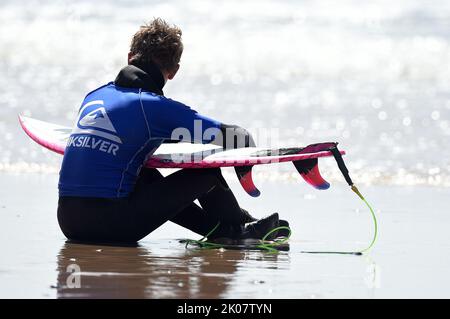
point(234, 136)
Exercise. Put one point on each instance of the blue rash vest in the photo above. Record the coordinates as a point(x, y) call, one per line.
point(116, 130)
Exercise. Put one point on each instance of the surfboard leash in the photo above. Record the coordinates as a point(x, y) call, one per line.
point(271, 246)
point(338, 157)
point(203, 242)
point(264, 244)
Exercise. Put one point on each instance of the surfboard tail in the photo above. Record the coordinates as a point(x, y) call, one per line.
point(309, 170)
point(45, 134)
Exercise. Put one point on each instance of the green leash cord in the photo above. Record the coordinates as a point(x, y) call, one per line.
point(374, 217)
point(264, 243)
point(375, 233)
point(343, 168)
point(202, 243)
point(271, 246)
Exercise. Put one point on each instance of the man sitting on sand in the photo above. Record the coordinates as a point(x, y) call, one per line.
point(105, 193)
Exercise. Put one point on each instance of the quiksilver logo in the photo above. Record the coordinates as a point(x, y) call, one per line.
point(95, 122)
point(93, 143)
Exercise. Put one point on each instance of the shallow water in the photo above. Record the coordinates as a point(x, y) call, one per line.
point(410, 260)
point(373, 76)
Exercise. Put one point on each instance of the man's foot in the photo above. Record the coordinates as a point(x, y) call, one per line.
point(260, 228)
point(256, 230)
point(283, 232)
point(248, 218)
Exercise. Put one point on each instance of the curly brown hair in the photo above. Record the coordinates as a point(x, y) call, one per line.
point(157, 42)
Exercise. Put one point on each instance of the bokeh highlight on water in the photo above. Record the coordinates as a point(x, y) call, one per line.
point(372, 75)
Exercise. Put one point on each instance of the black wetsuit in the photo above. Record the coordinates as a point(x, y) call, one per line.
point(154, 199)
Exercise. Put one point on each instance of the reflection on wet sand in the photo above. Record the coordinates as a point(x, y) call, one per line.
point(140, 272)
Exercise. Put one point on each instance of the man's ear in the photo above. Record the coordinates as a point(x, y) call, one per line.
point(130, 55)
point(172, 74)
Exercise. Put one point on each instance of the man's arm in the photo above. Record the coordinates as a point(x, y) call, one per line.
point(233, 136)
point(173, 121)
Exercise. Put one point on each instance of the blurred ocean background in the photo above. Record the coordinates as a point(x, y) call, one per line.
point(373, 75)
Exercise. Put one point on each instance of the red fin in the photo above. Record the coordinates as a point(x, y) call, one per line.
point(309, 170)
point(244, 174)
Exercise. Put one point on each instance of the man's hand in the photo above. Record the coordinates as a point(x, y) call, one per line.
point(233, 137)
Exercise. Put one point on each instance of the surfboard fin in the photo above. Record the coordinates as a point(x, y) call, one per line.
point(309, 170)
point(244, 174)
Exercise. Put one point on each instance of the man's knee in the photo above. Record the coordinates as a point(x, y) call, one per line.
point(216, 175)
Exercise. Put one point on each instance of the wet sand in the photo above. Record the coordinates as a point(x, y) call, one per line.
point(410, 260)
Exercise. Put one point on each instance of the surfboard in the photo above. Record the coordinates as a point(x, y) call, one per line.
point(186, 155)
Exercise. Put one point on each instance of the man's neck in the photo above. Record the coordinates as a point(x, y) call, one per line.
point(148, 78)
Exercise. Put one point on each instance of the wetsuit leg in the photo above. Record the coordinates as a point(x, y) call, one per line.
point(220, 202)
point(95, 220)
point(155, 200)
point(171, 198)
point(193, 217)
